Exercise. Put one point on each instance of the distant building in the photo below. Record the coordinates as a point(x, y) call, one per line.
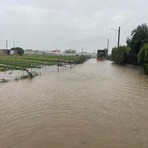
point(53, 52)
point(56, 51)
point(93, 55)
point(35, 52)
point(70, 51)
point(84, 54)
point(4, 52)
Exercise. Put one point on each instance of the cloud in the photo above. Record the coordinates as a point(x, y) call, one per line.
point(53, 23)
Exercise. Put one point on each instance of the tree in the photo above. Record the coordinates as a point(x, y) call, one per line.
point(20, 51)
point(139, 37)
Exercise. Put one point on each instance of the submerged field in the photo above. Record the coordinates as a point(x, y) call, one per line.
point(34, 61)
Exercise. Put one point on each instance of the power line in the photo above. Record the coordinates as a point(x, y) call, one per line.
point(131, 19)
point(114, 38)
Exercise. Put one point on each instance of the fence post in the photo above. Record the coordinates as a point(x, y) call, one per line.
point(70, 64)
point(58, 65)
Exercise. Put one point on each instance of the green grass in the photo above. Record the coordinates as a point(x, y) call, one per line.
point(8, 62)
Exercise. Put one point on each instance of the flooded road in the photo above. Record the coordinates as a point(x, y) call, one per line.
point(94, 105)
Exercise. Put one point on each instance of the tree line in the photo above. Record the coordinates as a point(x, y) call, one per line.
point(136, 50)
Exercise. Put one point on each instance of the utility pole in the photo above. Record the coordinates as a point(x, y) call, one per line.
point(118, 43)
point(108, 44)
point(118, 37)
point(58, 64)
point(82, 50)
point(6, 44)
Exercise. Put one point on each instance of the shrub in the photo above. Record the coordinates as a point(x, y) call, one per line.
point(146, 69)
point(119, 55)
point(82, 59)
point(143, 55)
point(131, 58)
point(146, 56)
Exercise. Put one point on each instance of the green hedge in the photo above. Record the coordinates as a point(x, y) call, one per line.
point(119, 55)
point(131, 58)
point(143, 58)
point(143, 55)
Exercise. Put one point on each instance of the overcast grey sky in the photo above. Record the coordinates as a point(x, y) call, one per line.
point(64, 24)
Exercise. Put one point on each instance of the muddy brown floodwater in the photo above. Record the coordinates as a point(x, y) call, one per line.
point(94, 105)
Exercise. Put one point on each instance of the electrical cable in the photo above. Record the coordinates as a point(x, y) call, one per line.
point(131, 19)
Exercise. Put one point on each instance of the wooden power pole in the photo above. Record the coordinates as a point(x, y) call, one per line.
point(118, 37)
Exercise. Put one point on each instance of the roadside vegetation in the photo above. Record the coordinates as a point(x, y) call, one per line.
point(136, 51)
point(120, 55)
point(143, 58)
